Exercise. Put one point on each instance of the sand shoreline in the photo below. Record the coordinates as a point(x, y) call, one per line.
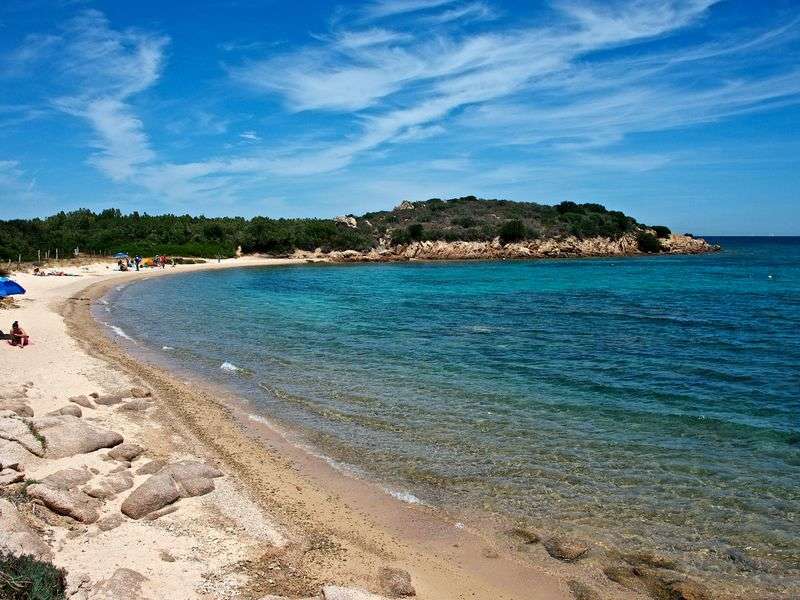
point(325, 527)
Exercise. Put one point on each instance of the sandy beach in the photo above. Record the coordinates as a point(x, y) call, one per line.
point(273, 521)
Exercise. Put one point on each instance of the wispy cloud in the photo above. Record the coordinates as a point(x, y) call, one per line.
point(390, 8)
point(104, 68)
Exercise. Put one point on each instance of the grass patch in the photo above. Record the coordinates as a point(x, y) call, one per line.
point(35, 433)
point(25, 578)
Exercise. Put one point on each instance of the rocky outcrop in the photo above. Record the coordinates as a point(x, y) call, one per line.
point(567, 247)
point(127, 452)
point(71, 409)
point(347, 221)
point(16, 405)
point(22, 432)
point(17, 537)
point(109, 486)
point(67, 479)
point(83, 401)
point(172, 482)
point(66, 435)
point(69, 503)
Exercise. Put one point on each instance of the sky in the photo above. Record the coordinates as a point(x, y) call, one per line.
point(678, 112)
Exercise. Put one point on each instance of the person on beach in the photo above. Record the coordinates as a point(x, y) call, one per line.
point(18, 335)
point(136, 261)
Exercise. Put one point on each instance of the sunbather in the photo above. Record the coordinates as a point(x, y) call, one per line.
point(18, 335)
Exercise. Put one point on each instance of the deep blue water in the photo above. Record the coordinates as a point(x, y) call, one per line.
point(652, 402)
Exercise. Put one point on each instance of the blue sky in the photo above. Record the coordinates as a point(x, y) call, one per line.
point(680, 112)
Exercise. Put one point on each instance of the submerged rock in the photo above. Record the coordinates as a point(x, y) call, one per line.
point(525, 535)
point(581, 591)
point(566, 549)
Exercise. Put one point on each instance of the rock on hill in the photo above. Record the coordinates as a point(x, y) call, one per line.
point(463, 228)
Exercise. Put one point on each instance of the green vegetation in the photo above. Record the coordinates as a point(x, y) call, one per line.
point(647, 242)
point(25, 578)
point(512, 231)
point(661, 231)
point(468, 219)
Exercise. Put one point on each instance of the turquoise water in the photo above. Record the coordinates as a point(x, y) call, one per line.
point(649, 402)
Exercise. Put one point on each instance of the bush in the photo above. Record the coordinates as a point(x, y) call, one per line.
point(647, 242)
point(661, 231)
point(24, 578)
point(415, 231)
point(512, 231)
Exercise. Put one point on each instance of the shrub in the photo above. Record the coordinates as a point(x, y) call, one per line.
point(25, 578)
point(661, 231)
point(647, 242)
point(415, 231)
point(512, 231)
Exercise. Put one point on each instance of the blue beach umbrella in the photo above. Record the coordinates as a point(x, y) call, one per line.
point(9, 288)
point(120, 255)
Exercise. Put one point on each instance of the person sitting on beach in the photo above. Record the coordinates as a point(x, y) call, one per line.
point(18, 335)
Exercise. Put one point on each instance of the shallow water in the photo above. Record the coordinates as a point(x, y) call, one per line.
point(650, 402)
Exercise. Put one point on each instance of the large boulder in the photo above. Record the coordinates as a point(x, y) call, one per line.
point(67, 479)
point(110, 485)
point(126, 452)
point(9, 476)
point(152, 467)
point(17, 406)
point(70, 409)
point(70, 503)
point(172, 482)
point(20, 431)
point(17, 537)
point(157, 492)
point(66, 435)
point(83, 401)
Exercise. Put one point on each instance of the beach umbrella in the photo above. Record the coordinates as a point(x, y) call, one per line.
point(120, 255)
point(9, 288)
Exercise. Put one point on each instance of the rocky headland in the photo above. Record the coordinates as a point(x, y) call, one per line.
point(567, 247)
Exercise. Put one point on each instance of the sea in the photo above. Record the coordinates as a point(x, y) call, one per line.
point(649, 403)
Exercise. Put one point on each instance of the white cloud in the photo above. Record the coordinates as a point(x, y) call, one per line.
point(390, 8)
point(250, 136)
point(104, 68)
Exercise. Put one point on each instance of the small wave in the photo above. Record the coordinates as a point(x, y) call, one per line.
point(403, 496)
point(481, 329)
point(103, 301)
point(167, 348)
point(118, 331)
point(230, 367)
